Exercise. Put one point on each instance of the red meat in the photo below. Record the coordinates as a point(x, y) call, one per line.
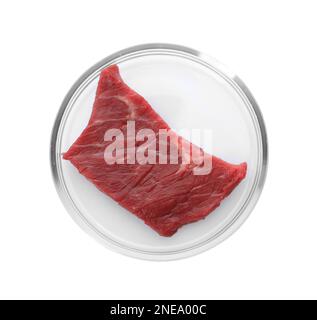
point(164, 196)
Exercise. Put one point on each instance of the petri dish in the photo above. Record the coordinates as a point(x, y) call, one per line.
point(187, 89)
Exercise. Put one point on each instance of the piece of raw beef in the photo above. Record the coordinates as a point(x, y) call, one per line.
point(164, 196)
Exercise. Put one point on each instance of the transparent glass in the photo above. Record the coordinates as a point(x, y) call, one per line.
point(188, 90)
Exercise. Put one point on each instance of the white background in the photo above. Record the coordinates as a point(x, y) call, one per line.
point(44, 48)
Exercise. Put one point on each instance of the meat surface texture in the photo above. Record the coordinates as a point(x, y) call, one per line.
point(164, 196)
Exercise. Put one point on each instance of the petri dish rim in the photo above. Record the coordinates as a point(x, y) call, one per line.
point(196, 56)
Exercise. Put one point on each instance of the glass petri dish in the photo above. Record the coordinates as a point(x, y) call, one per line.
point(188, 90)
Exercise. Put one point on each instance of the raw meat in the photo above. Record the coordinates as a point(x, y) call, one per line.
point(164, 196)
